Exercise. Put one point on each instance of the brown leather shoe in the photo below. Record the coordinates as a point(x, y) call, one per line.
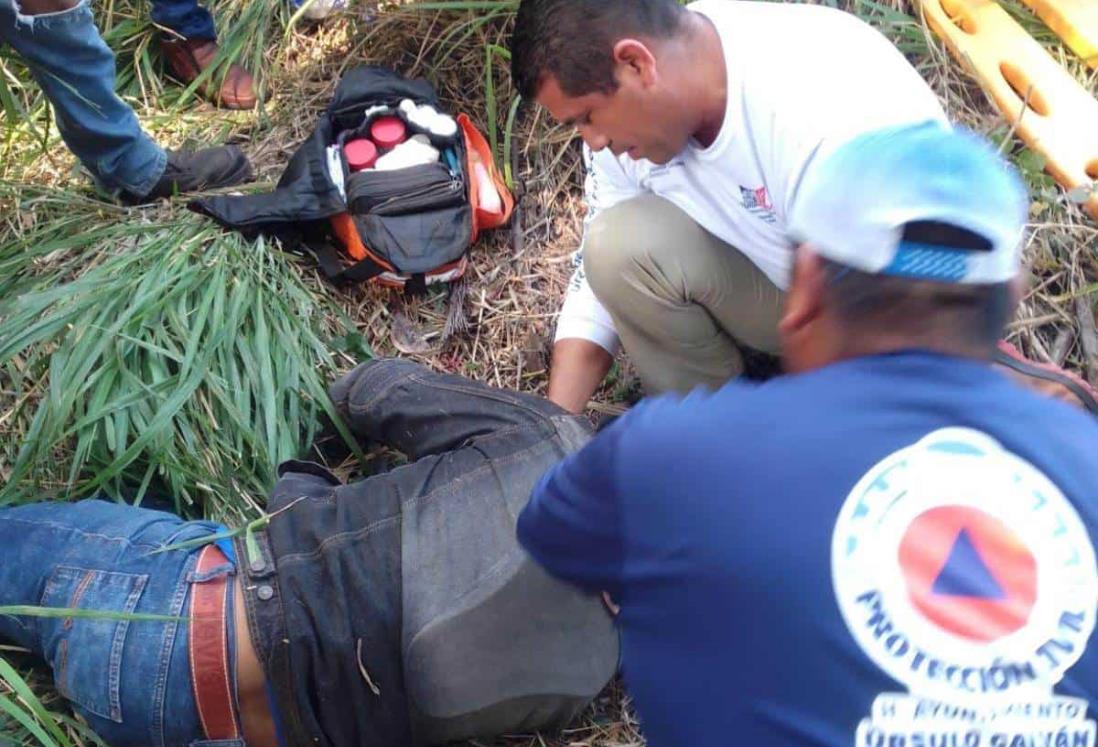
point(187, 59)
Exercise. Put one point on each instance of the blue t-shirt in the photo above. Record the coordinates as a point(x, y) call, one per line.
point(892, 551)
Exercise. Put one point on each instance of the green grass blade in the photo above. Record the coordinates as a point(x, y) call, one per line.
point(41, 715)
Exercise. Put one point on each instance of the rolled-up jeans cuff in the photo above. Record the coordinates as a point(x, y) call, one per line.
point(68, 15)
point(147, 183)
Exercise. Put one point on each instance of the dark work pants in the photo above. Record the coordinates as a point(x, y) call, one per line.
point(465, 636)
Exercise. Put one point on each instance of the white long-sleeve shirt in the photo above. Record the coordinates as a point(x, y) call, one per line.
point(801, 80)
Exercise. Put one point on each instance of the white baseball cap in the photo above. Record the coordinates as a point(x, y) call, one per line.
point(924, 201)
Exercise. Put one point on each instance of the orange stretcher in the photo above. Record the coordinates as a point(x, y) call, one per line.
point(1074, 21)
point(1052, 112)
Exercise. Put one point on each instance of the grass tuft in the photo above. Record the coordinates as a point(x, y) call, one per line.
point(162, 356)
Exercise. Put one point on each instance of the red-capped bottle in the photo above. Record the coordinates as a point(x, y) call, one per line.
point(361, 154)
point(388, 132)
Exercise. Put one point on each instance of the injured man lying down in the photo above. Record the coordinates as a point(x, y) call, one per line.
point(397, 610)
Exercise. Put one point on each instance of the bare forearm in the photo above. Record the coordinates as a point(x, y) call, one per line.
point(578, 367)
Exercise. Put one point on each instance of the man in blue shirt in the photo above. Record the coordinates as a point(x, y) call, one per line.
point(891, 547)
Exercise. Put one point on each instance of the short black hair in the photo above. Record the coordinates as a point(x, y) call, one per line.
point(573, 40)
point(927, 312)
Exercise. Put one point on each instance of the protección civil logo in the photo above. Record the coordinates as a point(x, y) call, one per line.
point(966, 575)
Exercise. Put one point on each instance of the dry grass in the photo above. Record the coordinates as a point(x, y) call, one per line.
point(517, 279)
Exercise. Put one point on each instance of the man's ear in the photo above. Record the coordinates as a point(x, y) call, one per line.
point(804, 300)
point(633, 59)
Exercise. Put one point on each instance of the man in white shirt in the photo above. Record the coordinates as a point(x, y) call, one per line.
point(699, 123)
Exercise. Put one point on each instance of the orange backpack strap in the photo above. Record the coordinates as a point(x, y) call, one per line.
point(475, 143)
point(344, 229)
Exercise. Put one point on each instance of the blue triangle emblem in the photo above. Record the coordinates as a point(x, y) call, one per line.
point(965, 574)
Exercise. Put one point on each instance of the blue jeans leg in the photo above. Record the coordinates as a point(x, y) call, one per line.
point(75, 69)
point(131, 680)
point(185, 17)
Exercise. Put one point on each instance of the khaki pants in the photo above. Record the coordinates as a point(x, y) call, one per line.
point(682, 300)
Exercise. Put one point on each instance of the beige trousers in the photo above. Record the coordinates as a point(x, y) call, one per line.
point(683, 301)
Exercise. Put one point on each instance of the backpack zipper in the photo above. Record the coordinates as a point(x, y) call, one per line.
point(390, 193)
point(437, 196)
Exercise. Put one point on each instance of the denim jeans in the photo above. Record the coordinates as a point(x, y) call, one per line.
point(75, 69)
point(185, 17)
point(131, 680)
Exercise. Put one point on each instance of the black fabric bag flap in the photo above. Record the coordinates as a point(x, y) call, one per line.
point(304, 193)
point(364, 87)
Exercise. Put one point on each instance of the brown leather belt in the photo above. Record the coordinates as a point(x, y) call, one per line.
point(213, 692)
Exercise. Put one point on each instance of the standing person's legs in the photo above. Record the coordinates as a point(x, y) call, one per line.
point(186, 18)
point(190, 49)
point(419, 412)
point(64, 51)
point(682, 300)
point(130, 680)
